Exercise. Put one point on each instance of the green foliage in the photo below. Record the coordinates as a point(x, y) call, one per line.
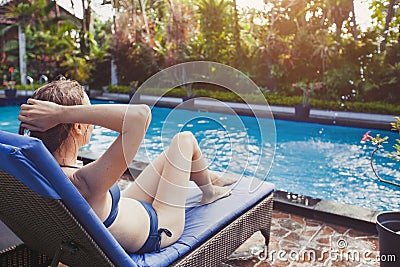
point(123, 89)
point(28, 87)
point(287, 42)
point(54, 43)
point(341, 81)
point(216, 33)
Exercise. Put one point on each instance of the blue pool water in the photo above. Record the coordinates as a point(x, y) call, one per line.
point(322, 161)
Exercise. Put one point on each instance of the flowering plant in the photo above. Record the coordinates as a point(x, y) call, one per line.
point(307, 89)
point(9, 84)
point(377, 141)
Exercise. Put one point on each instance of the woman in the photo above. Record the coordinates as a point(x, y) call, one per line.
point(150, 213)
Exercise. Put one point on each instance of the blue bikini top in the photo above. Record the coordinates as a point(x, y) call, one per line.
point(115, 197)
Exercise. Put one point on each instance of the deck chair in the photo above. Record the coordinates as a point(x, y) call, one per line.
point(44, 209)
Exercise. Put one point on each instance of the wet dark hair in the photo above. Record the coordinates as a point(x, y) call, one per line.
point(63, 92)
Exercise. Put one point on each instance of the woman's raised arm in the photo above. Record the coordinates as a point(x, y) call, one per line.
point(131, 121)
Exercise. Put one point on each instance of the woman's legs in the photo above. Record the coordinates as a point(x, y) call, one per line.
point(170, 198)
point(146, 184)
point(166, 180)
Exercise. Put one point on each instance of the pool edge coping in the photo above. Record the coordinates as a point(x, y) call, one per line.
point(333, 212)
point(339, 118)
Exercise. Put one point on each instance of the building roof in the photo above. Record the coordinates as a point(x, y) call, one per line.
point(6, 20)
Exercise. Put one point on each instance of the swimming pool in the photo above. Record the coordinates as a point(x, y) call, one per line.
point(322, 161)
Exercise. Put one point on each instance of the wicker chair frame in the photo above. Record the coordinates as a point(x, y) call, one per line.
point(37, 220)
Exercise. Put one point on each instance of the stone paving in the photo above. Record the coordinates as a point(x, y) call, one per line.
point(299, 241)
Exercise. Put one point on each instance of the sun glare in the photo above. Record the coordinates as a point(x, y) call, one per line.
point(363, 14)
point(256, 4)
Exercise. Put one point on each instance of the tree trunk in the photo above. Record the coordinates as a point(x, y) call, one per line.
point(144, 14)
point(83, 19)
point(236, 33)
point(353, 18)
point(389, 17)
point(88, 15)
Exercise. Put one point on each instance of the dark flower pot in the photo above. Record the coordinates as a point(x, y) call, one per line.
point(10, 93)
point(302, 112)
point(388, 227)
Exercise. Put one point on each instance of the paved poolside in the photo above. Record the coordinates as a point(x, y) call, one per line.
point(301, 241)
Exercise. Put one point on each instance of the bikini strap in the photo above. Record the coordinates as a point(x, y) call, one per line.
point(159, 232)
point(70, 166)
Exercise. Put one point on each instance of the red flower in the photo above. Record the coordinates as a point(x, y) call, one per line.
point(366, 137)
point(11, 69)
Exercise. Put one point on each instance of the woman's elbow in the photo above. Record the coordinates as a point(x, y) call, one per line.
point(138, 115)
point(145, 115)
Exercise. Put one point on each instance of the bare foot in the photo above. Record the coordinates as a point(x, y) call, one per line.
point(220, 179)
point(215, 193)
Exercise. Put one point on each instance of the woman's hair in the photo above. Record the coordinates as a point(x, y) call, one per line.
point(63, 92)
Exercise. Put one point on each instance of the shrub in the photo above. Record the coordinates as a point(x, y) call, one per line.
point(272, 99)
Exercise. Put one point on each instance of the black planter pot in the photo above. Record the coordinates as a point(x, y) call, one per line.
point(10, 93)
point(388, 227)
point(302, 112)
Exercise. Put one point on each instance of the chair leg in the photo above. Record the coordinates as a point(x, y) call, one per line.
point(266, 233)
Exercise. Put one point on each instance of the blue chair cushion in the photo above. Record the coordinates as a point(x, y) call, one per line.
point(203, 221)
point(29, 161)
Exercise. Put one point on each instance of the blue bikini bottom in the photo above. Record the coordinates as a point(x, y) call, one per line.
point(153, 242)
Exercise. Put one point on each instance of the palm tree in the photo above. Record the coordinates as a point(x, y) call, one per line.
point(339, 11)
point(322, 49)
point(389, 17)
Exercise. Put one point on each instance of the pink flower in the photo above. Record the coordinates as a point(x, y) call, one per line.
point(366, 137)
point(293, 85)
point(11, 69)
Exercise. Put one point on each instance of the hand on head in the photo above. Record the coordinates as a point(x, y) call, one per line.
point(38, 115)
